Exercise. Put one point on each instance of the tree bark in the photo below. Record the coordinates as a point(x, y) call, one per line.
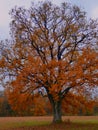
point(56, 107)
point(57, 115)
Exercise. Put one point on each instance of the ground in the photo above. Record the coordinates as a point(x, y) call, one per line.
point(44, 123)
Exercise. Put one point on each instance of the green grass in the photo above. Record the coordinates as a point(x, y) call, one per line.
point(86, 122)
point(22, 124)
point(91, 124)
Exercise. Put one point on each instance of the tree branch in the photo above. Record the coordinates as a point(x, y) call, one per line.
point(65, 92)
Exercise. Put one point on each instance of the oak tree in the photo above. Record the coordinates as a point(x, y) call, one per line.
point(53, 53)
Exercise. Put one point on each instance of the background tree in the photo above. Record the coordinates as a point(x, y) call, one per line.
point(53, 54)
point(5, 108)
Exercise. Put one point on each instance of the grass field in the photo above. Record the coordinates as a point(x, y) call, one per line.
point(44, 123)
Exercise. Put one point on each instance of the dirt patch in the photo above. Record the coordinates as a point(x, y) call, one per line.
point(63, 126)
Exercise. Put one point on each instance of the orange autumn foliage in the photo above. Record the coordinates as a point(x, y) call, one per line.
point(54, 54)
point(73, 101)
point(33, 105)
point(77, 105)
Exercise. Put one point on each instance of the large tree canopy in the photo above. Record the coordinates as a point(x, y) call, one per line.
point(53, 53)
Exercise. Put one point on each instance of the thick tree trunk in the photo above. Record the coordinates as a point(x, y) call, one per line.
point(56, 107)
point(57, 115)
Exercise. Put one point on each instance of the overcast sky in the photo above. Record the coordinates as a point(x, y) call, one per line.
point(90, 6)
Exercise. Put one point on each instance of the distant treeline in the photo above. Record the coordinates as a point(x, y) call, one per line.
point(42, 108)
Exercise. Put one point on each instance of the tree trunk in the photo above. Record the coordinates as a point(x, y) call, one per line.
point(56, 107)
point(57, 115)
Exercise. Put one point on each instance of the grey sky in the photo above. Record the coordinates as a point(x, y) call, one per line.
point(90, 6)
